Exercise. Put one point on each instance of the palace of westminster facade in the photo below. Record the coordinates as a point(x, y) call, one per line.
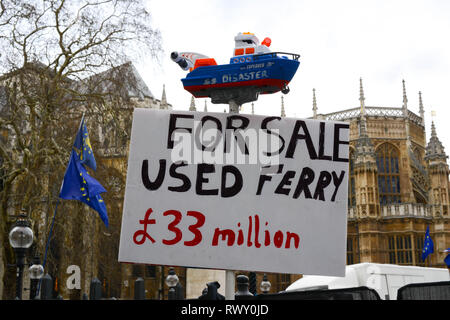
point(398, 185)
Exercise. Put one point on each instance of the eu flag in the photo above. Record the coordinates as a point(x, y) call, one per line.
point(447, 258)
point(83, 143)
point(79, 185)
point(428, 246)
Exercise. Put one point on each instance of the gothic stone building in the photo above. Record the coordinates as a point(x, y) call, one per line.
point(398, 185)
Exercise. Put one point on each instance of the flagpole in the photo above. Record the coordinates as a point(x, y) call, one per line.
point(53, 221)
point(49, 235)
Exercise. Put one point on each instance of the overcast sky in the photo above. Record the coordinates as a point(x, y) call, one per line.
point(382, 41)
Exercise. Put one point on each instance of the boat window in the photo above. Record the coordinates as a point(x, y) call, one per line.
point(249, 50)
point(239, 51)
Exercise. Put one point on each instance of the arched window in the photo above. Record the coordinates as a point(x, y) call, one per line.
point(388, 174)
point(351, 181)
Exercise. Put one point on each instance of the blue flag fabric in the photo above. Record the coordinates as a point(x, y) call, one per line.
point(447, 258)
point(79, 185)
point(83, 143)
point(428, 246)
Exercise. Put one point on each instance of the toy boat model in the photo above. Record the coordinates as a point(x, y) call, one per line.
point(243, 79)
point(246, 76)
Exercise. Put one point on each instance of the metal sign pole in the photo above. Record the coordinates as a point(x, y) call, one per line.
point(230, 274)
point(229, 284)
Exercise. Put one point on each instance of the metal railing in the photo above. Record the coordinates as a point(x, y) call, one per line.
point(425, 291)
point(295, 56)
point(417, 291)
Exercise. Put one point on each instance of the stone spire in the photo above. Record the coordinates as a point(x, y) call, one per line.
point(405, 115)
point(438, 172)
point(405, 100)
point(192, 107)
point(433, 130)
point(362, 112)
point(206, 107)
point(163, 104)
point(361, 97)
point(365, 167)
point(421, 110)
point(364, 150)
point(314, 104)
point(434, 149)
point(283, 113)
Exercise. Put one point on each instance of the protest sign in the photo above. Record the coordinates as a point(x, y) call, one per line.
point(236, 192)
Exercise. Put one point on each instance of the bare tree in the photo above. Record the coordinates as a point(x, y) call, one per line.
point(58, 59)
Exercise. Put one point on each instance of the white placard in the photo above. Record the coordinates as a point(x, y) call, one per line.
point(236, 192)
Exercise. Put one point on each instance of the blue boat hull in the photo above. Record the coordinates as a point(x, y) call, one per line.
point(243, 79)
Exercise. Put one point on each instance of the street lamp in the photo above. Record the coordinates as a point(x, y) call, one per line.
point(265, 285)
point(36, 272)
point(172, 281)
point(20, 239)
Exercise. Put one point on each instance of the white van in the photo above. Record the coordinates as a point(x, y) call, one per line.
point(386, 279)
